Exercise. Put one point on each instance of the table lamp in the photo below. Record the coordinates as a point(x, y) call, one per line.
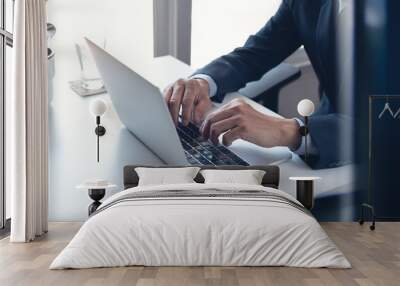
point(305, 108)
point(98, 107)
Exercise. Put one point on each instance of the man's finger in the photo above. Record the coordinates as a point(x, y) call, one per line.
point(232, 135)
point(175, 101)
point(214, 117)
point(216, 129)
point(200, 112)
point(188, 102)
point(168, 94)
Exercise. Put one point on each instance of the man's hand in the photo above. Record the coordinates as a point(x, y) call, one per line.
point(238, 120)
point(193, 96)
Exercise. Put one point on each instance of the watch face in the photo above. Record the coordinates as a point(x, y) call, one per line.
point(303, 131)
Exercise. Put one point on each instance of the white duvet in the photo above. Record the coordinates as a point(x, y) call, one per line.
point(203, 231)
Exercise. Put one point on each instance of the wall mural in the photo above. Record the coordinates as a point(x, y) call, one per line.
point(142, 126)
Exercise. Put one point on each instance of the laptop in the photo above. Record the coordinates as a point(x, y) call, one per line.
point(142, 109)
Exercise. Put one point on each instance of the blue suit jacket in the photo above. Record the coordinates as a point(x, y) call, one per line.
point(297, 22)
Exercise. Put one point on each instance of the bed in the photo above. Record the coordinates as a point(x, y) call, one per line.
point(198, 224)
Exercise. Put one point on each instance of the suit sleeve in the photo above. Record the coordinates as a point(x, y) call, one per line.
point(331, 134)
point(277, 40)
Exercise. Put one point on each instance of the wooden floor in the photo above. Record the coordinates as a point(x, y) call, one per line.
point(375, 257)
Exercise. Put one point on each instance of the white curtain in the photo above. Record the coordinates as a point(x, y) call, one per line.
point(27, 117)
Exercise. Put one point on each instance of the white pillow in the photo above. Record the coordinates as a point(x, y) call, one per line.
point(165, 176)
point(246, 177)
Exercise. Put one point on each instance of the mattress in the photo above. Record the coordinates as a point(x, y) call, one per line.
point(201, 225)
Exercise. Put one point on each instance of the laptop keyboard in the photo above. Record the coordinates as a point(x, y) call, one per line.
point(202, 152)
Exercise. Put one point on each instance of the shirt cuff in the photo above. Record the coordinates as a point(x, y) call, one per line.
point(311, 149)
point(212, 86)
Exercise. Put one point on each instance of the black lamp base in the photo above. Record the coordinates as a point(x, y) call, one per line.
point(96, 195)
point(100, 130)
point(305, 193)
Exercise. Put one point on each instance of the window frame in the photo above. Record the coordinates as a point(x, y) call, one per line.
point(172, 28)
point(6, 39)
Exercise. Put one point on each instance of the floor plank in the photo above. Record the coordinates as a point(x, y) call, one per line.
point(375, 257)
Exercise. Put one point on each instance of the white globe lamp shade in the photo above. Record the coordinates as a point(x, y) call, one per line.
point(306, 107)
point(98, 107)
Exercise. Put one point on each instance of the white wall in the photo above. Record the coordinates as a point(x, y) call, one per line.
point(126, 24)
point(128, 27)
point(232, 20)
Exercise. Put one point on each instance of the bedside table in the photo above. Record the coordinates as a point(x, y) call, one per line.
point(96, 193)
point(305, 190)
